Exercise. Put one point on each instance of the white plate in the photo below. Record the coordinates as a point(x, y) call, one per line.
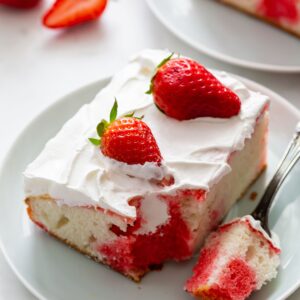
point(229, 35)
point(50, 270)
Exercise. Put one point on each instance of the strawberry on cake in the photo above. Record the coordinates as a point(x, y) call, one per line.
point(135, 179)
point(236, 260)
point(282, 13)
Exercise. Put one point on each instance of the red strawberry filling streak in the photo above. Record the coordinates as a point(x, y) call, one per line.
point(143, 251)
point(280, 9)
point(236, 281)
point(203, 268)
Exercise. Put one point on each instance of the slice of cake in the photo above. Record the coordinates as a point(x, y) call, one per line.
point(282, 13)
point(236, 260)
point(133, 215)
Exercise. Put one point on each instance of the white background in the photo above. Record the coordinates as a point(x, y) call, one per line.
point(38, 66)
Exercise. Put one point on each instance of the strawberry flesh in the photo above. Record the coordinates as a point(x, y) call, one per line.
point(65, 13)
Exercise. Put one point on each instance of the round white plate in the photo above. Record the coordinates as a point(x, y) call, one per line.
point(228, 35)
point(50, 270)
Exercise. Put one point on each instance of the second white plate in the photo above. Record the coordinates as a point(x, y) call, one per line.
point(229, 35)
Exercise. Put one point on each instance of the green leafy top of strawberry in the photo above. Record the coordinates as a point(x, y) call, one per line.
point(104, 124)
point(163, 62)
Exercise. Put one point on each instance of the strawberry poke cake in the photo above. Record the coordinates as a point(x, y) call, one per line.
point(143, 173)
point(282, 13)
point(237, 259)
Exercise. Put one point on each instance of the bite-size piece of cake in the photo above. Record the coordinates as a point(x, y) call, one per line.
point(282, 13)
point(237, 259)
point(134, 216)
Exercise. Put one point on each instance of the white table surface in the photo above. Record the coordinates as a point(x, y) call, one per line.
point(38, 66)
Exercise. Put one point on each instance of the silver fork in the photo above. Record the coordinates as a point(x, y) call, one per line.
point(288, 161)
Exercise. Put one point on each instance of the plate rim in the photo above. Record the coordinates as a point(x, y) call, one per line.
point(88, 86)
point(26, 283)
point(218, 55)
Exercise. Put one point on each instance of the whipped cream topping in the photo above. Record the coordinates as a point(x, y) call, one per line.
point(195, 152)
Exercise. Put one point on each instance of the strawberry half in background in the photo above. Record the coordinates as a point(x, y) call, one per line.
point(183, 89)
point(24, 4)
point(65, 13)
point(127, 139)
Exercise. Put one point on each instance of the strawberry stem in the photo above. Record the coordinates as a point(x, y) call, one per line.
point(129, 115)
point(163, 62)
point(113, 112)
point(103, 125)
point(95, 142)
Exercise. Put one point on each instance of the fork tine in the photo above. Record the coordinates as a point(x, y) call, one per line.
point(290, 158)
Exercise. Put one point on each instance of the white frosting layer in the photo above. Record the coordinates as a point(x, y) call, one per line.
point(195, 152)
point(256, 225)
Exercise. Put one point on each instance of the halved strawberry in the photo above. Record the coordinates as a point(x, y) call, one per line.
point(65, 13)
point(20, 3)
point(127, 139)
point(183, 89)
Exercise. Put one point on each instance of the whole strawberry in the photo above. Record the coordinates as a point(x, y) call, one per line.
point(183, 89)
point(127, 139)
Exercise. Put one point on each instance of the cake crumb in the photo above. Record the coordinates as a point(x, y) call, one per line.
point(253, 196)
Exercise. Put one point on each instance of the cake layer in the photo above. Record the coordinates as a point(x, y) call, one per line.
point(282, 13)
point(195, 152)
point(236, 260)
point(179, 226)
